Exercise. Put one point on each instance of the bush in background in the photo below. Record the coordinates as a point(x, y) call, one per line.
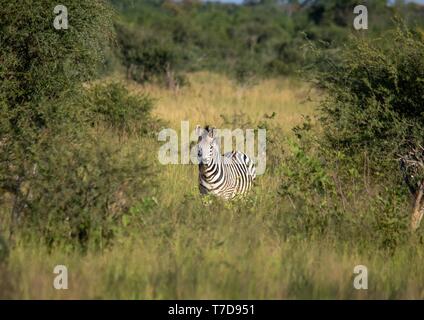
point(147, 59)
point(41, 70)
point(82, 177)
point(113, 106)
point(70, 180)
point(80, 189)
point(341, 174)
point(4, 250)
point(375, 97)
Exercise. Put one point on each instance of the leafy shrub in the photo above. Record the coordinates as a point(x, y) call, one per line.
point(341, 175)
point(330, 196)
point(375, 97)
point(391, 217)
point(245, 72)
point(80, 188)
point(289, 57)
point(146, 59)
point(82, 177)
point(70, 179)
point(112, 105)
point(309, 187)
point(41, 70)
point(40, 62)
point(4, 250)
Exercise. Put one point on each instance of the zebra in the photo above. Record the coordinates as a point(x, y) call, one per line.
point(225, 176)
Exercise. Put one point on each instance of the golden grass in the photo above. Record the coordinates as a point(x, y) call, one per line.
point(186, 250)
point(148, 270)
point(210, 95)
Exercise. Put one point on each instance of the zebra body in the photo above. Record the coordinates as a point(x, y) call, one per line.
point(225, 176)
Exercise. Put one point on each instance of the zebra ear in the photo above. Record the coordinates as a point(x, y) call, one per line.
point(213, 133)
point(199, 130)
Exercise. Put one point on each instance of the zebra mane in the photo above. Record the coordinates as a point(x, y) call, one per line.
point(208, 130)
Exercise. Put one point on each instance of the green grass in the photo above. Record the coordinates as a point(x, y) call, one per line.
point(204, 254)
point(180, 248)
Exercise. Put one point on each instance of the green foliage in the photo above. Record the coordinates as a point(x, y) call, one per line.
point(310, 188)
point(245, 72)
point(243, 41)
point(77, 185)
point(40, 62)
point(68, 184)
point(249, 41)
point(341, 174)
point(79, 189)
point(391, 219)
point(4, 250)
point(146, 58)
point(41, 71)
point(112, 105)
point(332, 197)
point(375, 96)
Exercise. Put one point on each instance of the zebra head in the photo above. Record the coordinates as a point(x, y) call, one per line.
point(207, 144)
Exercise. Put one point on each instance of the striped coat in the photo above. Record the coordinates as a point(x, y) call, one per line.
point(225, 176)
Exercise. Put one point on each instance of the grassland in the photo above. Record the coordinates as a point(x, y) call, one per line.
point(249, 249)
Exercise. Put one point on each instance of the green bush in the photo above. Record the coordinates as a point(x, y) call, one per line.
point(147, 59)
point(391, 222)
point(112, 105)
point(308, 185)
point(83, 178)
point(71, 180)
point(79, 189)
point(41, 71)
point(4, 250)
point(331, 197)
point(375, 96)
point(40, 62)
point(341, 175)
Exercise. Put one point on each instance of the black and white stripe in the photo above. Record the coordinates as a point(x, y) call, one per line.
point(225, 176)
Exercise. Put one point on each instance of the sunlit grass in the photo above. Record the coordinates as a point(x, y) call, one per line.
point(223, 262)
point(183, 249)
point(211, 95)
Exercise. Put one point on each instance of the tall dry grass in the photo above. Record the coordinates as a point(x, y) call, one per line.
point(209, 96)
point(183, 249)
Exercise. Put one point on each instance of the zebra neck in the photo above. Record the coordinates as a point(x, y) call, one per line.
point(209, 170)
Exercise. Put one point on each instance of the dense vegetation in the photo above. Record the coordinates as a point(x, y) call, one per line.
point(348, 163)
point(67, 182)
point(258, 39)
point(80, 182)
